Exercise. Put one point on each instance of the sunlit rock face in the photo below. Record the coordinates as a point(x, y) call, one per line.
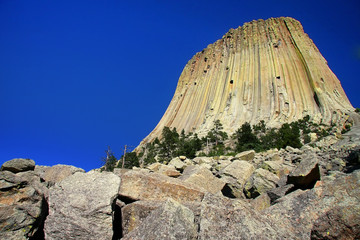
point(265, 70)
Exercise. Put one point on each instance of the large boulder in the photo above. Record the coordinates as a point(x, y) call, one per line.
point(235, 176)
point(223, 218)
point(341, 223)
point(57, 173)
point(170, 221)
point(178, 163)
point(22, 205)
point(246, 156)
point(81, 206)
point(306, 211)
point(306, 173)
point(260, 182)
point(18, 165)
point(138, 185)
point(203, 178)
point(169, 171)
point(133, 214)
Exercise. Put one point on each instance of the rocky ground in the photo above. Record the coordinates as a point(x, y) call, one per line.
point(307, 193)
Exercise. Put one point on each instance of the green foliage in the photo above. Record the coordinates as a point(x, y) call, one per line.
point(216, 136)
point(131, 160)
point(288, 135)
point(357, 110)
point(245, 138)
point(169, 144)
point(110, 160)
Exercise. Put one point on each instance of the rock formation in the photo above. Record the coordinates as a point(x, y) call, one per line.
point(265, 70)
point(289, 193)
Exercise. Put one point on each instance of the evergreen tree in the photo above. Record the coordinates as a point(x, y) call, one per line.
point(131, 160)
point(245, 138)
point(110, 160)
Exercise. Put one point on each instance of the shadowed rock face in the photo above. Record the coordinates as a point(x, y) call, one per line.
point(265, 70)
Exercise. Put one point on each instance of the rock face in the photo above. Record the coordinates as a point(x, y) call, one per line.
point(81, 207)
point(265, 70)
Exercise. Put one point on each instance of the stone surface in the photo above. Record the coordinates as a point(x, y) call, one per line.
point(22, 205)
point(178, 163)
point(298, 211)
point(133, 214)
point(18, 165)
point(306, 173)
point(80, 206)
point(260, 182)
point(153, 186)
point(58, 172)
point(265, 70)
point(171, 221)
point(340, 223)
point(235, 176)
point(203, 178)
point(223, 218)
point(169, 171)
point(247, 155)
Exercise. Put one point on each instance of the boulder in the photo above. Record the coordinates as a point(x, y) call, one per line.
point(177, 163)
point(224, 218)
point(246, 156)
point(81, 206)
point(260, 182)
point(261, 202)
point(341, 223)
point(22, 206)
point(58, 172)
point(154, 186)
point(169, 171)
point(276, 193)
point(302, 212)
point(306, 173)
point(154, 167)
point(133, 214)
point(170, 221)
point(240, 170)
point(235, 175)
point(203, 178)
point(18, 165)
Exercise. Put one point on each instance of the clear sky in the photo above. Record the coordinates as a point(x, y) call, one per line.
point(78, 76)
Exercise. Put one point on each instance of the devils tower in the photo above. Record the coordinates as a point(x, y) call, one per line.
point(265, 70)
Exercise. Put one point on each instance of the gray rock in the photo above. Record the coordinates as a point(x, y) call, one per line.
point(338, 223)
point(18, 165)
point(203, 178)
point(177, 163)
point(279, 192)
point(57, 173)
point(138, 185)
point(235, 176)
point(81, 206)
point(133, 214)
point(260, 182)
point(298, 211)
point(169, 171)
point(22, 205)
point(246, 156)
point(223, 218)
point(170, 221)
point(306, 173)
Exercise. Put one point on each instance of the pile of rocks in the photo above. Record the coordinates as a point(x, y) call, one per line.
point(280, 194)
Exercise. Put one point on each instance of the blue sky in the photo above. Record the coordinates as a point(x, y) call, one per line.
point(78, 76)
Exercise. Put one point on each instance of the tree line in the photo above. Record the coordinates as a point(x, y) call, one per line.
point(258, 137)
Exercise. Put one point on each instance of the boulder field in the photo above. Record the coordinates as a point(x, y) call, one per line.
point(307, 193)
